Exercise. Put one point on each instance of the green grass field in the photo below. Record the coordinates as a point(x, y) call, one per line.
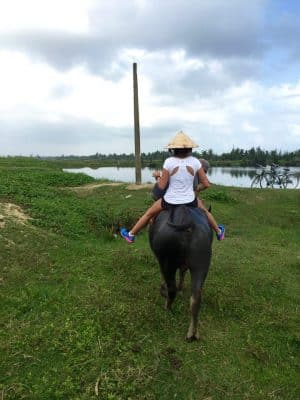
point(81, 315)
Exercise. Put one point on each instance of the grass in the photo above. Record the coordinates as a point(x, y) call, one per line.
point(81, 312)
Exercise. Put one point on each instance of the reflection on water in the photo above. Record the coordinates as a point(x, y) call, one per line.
point(229, 173)
point(237, 173)
point(227, 176)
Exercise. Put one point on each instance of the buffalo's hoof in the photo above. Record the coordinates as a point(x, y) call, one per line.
point(168, 305)
point(193, 338)
point(164, 290)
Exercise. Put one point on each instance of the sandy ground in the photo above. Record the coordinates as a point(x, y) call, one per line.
point(12, 211)
point(133, 186)
point(92, 186)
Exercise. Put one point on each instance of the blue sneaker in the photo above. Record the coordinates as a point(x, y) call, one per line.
point(125, 235)
point(221, 235)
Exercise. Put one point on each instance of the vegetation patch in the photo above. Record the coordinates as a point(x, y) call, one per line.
point(219, 195)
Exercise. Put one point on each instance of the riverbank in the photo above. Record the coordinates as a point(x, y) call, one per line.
point(226, 176)
point(81, 162)
point(81, 309)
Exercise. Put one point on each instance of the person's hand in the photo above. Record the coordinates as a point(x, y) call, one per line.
point(156, 175)
point(200, 187)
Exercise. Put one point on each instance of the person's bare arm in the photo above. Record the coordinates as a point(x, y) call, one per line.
point(204, 182)
point(163, 180)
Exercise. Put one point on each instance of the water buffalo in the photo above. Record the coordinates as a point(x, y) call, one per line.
point(181, 239)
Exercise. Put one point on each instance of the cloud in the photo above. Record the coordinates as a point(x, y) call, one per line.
point(285, 33)
point(194, 26)
point(37, 90)
point(77, 112)
point(71, 136)
point(295, 130)
point(248, 127)
point(62, 50)
point(55, 15)
point(153, 26)
point(209, 68)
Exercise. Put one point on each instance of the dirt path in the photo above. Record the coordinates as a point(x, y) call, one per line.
point(91, 186)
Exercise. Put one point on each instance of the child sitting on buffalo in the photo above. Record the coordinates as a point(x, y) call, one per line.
point(177, 179)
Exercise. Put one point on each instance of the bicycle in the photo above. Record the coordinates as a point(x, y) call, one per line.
point(267, 177)
point(262, 177)
point(257, 178)
point(271, 178)
point(289, 180)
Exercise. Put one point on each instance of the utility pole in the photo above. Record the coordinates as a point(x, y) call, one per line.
point(137, 146)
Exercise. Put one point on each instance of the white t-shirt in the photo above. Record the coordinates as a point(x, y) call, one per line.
point(180, 190)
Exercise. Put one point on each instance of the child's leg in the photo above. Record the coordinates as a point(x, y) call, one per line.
point(150, 213)
point(211, 220)
point(219, 229)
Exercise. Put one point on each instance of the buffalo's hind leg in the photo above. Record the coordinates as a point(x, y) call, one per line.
point(163, 289)
point(197, 278)
point(182, 272)
point(168, 288)
point(195, 302)
point(171, 290)
point(180, 286)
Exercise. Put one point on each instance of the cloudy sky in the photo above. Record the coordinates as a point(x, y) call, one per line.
point(225, 72)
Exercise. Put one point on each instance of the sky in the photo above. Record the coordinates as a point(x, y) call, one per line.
point(224, 72)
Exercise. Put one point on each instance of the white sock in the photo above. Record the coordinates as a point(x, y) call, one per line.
point(130, 234)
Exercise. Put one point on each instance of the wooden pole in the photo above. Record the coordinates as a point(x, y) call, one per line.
point(137, 146)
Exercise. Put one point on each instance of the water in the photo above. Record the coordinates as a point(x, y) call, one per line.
point(227, 176)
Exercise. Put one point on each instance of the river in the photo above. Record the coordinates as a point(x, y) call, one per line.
point(227, 176)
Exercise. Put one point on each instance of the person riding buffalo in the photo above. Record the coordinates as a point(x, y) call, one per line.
point(177, 178)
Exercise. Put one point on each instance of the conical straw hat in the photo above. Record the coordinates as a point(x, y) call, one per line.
point(181, 141)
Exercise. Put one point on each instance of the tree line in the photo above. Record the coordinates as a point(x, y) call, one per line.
point(236, 157)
